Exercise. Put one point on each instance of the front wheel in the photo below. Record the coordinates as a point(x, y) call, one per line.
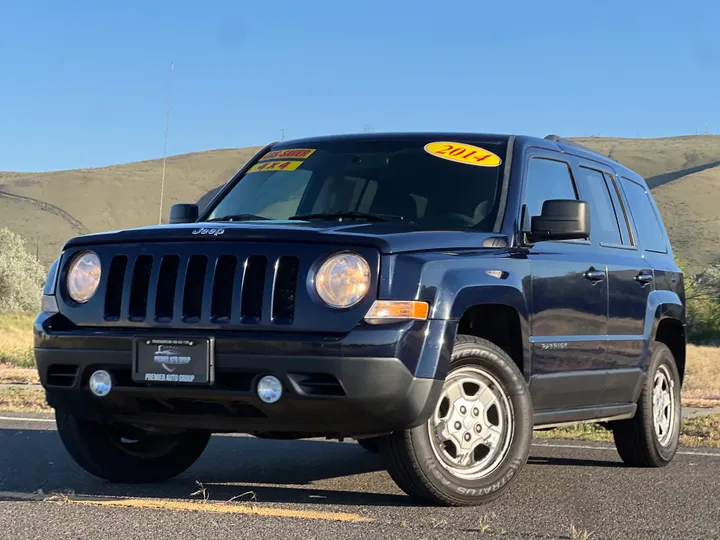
point(478, 438)
point(128, 455)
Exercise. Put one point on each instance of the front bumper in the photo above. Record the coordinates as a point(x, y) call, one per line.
point(370, 381)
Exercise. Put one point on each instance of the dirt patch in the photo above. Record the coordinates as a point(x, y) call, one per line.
point(22, 400)
point(13, 375)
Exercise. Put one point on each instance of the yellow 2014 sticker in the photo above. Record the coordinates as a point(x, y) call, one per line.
point(275, 166)
point(290, 153)
point(463, 153)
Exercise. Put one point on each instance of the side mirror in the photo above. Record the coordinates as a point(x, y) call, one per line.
point(184, 213)
point(561, 220)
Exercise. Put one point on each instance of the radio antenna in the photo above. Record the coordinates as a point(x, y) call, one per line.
point(167, 123)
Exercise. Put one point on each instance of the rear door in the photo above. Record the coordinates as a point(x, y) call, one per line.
point(629, 282)
point(568, 299)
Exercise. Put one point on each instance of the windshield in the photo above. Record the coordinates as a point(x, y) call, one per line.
point(431, 184)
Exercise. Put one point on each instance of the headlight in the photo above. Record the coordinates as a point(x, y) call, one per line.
point(83, 277)
point(343, 280)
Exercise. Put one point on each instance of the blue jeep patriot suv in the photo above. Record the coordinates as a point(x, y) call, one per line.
point(435, 296)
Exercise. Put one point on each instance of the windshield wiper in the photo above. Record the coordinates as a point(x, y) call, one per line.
point(350, 214)
point(238, 217)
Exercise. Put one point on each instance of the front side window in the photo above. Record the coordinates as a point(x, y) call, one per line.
point(547, 179)
point(395, 179)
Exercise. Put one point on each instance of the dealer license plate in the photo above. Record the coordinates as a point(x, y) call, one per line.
point(173, 361)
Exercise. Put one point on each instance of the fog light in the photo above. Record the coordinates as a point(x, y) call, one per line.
point(269, 389)
point(100, 383)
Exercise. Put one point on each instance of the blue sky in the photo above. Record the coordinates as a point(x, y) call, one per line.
point(85, 83)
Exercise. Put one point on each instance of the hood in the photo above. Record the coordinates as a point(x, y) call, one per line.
point(387, 237)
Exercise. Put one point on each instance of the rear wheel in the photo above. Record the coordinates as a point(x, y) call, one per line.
point(650, 439)
point(477, 439)
point(129, 455)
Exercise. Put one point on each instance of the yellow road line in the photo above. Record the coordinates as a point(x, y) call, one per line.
point(191, 506)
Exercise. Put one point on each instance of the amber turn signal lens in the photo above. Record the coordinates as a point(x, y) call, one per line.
point(396, 310)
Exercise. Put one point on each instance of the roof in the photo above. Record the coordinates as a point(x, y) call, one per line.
point(409, 136)
point(552, 142)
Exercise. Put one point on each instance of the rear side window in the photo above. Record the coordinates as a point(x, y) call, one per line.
point(619, 211)
point(646, 219)
point(604, 225)
point(547, 179)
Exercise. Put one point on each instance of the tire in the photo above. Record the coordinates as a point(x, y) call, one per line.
point(420, 460)
point(636, 439)
point(371, 444)
point(100, 450)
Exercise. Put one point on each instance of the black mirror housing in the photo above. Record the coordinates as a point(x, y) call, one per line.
point(184, 213)
point(561, 219)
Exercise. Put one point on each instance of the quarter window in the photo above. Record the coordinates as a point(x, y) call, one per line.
point(648, 226)
point(604, 225)
point(547, 179)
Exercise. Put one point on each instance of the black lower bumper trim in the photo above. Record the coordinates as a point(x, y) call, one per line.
point(330, 396)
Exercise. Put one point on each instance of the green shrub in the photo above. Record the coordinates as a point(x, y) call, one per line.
point(21, 275)
point(702, 293)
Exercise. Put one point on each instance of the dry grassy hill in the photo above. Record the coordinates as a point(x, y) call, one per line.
point(652, 158)
point(49, 208)
point(59, 205)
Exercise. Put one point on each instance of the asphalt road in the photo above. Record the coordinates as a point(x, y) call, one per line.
point(303, 488)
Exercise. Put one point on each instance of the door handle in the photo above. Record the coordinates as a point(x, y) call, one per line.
point(595, 275)
point(644, 278)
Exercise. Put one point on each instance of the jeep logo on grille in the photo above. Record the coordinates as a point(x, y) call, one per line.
point(212, 232)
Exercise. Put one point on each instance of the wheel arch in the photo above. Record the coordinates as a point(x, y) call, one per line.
point(671, 332)
point(665, 323)
point(499, 316)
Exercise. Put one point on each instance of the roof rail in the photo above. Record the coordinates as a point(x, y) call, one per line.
point(558, 139)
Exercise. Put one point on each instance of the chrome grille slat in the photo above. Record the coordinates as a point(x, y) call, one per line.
point(284, 289)
point(127, 284)
point(195, 288)
point(270, 276)
point(140, 288)
point(207, 290)
point(254, 289)
point(179, 288)
point(238, 288)
point(223, 286)
point(150, 307)
point(113, 288)
point(165, 288)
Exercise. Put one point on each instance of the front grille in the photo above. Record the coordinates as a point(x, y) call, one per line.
point(219, 289)
point(214, 287)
